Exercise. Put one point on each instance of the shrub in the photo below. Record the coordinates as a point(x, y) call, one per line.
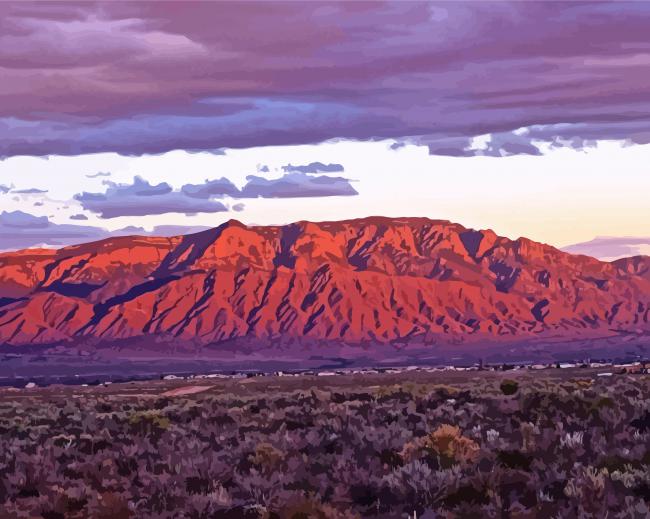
point(267, 456)
point(446, 443)
point(509, 387)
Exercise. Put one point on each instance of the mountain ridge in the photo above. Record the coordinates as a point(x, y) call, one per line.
point(361, 281)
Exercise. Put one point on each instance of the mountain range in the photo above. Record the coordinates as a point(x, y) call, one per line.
point(371, 281)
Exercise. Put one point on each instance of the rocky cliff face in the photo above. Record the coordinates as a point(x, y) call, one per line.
point(373, 280)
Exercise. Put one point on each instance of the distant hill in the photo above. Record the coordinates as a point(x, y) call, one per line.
point(609, 248)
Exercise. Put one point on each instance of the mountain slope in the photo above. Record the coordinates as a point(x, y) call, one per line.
point(373, 280)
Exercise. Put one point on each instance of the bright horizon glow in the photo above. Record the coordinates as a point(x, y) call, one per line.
point(562, 197)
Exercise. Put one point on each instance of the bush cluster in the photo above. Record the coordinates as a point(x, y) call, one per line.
point(550, 448)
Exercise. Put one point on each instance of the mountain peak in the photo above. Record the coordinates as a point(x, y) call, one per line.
point(361, 281)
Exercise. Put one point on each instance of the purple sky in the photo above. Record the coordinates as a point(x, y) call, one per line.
point(147, 78)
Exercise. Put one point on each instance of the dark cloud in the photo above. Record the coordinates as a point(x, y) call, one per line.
point(142, 198)
point(238, 207)
point(4, 189)
point(99, 174)
point(78, 217)
point(30, 191)
point(296, 185)
point(314, 167)
point(609, 247)
point(147, 77)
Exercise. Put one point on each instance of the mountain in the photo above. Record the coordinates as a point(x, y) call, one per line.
point(368, 281)
point(608, 248)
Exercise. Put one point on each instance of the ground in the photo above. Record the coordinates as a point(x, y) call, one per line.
point(548, 443)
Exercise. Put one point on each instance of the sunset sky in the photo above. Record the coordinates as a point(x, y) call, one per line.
point(532, 119)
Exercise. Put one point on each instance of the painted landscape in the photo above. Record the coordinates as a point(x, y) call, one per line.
point(324, 259)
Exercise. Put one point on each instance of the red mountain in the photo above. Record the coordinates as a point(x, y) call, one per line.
point(373, 280)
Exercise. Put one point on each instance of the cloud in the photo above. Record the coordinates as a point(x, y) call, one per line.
point(290, 185)
point(211, 188)
point(4, 189)
point(176, 230)
point(238, 207)
point(314, 167)
point(20, 230)
point(30, 191)
point(78, 217)
point(610, 248)
point(160, 230)
point(142, 198)
point(145, 78)
point(296, 185)
point(99, 174)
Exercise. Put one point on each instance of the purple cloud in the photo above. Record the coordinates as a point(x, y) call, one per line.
point(30, 191)
point(98, 174)
point(150, 77)
point(211, 188)
point(290, 185)
point(296, 185)
point(142, 198)
point(78, 217)
point(4, 189)
point(314, 167)
point(20, 230)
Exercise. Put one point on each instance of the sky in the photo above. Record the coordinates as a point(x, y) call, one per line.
point(529, 118)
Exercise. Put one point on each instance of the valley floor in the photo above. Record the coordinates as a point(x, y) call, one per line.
point(548, 443)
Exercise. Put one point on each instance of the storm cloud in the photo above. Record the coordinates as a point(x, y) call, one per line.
point(140, 78)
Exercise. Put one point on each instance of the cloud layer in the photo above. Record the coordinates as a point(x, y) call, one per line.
point(149, 77)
